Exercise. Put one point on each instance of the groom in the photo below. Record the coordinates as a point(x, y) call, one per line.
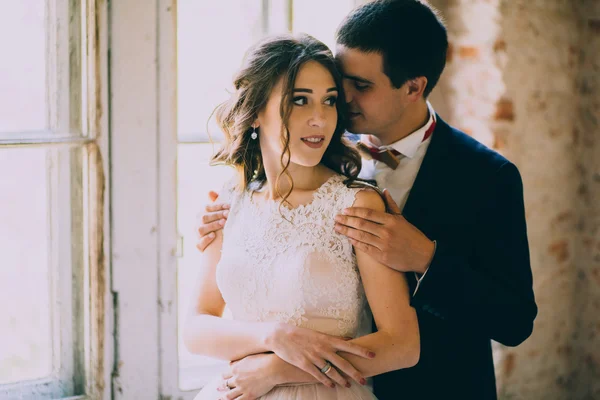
point(458, 223)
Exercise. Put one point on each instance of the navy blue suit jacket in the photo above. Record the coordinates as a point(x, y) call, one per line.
point(479, 285)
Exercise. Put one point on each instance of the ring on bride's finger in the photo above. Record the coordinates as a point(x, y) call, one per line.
point(227, 384)
point(326, 368)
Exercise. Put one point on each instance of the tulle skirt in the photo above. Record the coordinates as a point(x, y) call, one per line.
point(298, 392)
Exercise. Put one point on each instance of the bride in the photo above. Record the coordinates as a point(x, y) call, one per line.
point(297, 290)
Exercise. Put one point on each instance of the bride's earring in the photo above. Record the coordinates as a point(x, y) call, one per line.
point(254, 135)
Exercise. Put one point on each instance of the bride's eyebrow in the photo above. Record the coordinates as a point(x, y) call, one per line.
point(302, 90)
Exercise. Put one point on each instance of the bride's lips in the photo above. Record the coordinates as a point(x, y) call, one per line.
point(314, 141)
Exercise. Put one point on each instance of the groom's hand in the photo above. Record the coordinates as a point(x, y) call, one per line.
point(388, 238)
point(211, 221)
point(251, 377)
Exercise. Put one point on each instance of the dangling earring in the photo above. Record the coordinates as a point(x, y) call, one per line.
point(254, 135)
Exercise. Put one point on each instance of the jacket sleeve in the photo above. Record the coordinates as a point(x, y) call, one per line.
point(487, 288)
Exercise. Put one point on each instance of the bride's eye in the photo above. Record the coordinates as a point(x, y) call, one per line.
point(331, 101)
point(300, 100)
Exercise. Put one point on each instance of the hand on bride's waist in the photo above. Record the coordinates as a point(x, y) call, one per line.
point(312, 352)
point(252, 376)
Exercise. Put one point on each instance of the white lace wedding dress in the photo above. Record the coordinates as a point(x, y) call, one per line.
point(289, 265)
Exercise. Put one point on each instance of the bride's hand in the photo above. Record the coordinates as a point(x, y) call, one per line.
point(249, 378)
point(311, 350)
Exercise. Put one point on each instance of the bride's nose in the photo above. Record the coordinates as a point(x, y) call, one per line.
point(317, 119)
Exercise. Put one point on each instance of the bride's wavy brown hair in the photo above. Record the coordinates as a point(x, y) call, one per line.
point(267, 62)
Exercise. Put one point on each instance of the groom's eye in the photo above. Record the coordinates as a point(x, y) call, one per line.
point(360, 87)
point(300, 100)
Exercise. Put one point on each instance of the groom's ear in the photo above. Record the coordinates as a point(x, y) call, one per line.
point(416, 87)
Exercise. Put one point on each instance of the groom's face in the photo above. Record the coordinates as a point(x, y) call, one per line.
point(375, 105)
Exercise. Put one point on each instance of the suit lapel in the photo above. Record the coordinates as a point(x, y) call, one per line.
point(429, 184)
point(429, 180)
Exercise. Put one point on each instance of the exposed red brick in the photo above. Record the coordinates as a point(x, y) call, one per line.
point(573, 50)
point(566, 349)
point(509, 364)
point(560, 250)
point(450, 53)
point(573, 56)
point(592, 362)
point(563, 216)
point(594, 25)
point(468, 51)
point(533, 353)
point(504, 110)
point(499, 143)
point(500, 45)
point(561, 271)
point(596, 275)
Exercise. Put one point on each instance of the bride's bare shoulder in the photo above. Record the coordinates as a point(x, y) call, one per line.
point(369, 198)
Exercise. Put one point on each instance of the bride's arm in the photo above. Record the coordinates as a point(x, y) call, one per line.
point(396, 342)
point(205, 331)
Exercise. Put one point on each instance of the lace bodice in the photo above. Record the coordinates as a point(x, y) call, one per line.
point(289, 265)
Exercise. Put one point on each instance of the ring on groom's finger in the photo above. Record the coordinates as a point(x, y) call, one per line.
point(326, 368)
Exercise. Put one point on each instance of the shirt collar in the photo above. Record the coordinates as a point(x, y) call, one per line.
point(409, 145)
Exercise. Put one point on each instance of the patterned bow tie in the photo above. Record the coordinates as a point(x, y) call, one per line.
point(388, 156)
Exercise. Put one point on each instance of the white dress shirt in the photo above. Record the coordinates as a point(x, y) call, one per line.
point(400, 181)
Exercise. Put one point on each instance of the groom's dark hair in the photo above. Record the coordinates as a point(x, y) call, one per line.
point(409, 34)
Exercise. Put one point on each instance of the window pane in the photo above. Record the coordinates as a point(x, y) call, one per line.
point(195, 179)
point(212, 37)
point(43, 271)
point(25, 274)
point(23, 66)
point(322, 24)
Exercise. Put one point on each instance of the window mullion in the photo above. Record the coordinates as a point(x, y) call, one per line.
point(64, 75)
point(290, 15)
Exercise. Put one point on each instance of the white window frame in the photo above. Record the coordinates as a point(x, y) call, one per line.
point(75, 139)
point(142, 235)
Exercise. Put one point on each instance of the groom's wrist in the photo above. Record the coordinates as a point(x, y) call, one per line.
point(427, 257)
point(280, 370)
